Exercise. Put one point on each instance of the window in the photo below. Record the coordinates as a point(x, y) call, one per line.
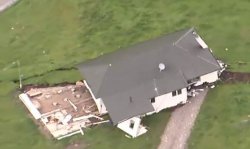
point(174, 93)
point(179, 91)
point(152, 100)
point(132, 123)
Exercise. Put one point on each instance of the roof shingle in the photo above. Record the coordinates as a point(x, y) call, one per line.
point(133, 73)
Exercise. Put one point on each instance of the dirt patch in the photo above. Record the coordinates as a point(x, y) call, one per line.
point(52, 98)
point(235, 77)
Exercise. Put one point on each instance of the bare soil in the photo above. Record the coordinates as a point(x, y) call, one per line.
point(234, 77)
point(55, 102)
point(56, 97)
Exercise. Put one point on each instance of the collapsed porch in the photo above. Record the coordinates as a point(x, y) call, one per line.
point(63, 110)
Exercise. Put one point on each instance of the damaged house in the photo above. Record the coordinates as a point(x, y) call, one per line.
point(127, 84)
point(148, 77)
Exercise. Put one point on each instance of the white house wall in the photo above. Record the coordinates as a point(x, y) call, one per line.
point(167, 100)
point(102, 106)
point(209, 78)
point(125, 126)
point(99, 103)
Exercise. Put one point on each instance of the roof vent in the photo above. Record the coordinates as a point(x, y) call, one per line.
point(162, 66)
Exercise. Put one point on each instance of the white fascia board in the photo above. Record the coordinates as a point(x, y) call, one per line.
point(201, 42)
point(27, 102)
point(97, 101)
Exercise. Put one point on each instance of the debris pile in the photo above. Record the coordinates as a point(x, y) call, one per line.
point(63, 110)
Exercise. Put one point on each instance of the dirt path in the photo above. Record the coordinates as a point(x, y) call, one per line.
point(4, 4)
point(182, 119)
point(180, 124)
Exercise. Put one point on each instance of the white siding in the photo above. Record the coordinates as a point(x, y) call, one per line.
point(99, 103)
point(137, 128)
point(102, 107)
point(167, 100)
point(209, 78)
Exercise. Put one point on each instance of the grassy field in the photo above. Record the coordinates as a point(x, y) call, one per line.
point(17, 130)
point(224, 120)
point(106, 137)
point(46, 35)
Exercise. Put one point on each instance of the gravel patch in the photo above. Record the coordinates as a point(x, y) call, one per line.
point(182, 120)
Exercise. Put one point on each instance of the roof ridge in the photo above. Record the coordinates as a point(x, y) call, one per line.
point(198, 56)
point(186, 50)
point(184, 35)
point(103, 76)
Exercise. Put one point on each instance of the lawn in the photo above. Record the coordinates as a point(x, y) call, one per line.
point(107, 137)
point(224, 120)
point(49, 37)
point(17, 130)
point(46, 35)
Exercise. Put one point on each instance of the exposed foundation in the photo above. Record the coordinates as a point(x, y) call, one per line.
point(63, 110)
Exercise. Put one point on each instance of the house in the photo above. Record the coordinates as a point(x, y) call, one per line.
point(148, 77)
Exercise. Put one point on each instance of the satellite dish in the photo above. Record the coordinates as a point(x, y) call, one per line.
point(162, 66)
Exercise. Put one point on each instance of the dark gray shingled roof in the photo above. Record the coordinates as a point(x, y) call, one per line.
point(126, 79)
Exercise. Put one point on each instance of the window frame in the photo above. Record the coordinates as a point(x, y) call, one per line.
point(132, 124)
point(174, 93)
point(152, 100)
point(179, 91)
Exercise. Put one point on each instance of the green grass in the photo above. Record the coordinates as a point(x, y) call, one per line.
point(55, 77)
point(17, 130)
point(51, 34)
point(107, 137)
point(224, 120)
point(45, 35)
